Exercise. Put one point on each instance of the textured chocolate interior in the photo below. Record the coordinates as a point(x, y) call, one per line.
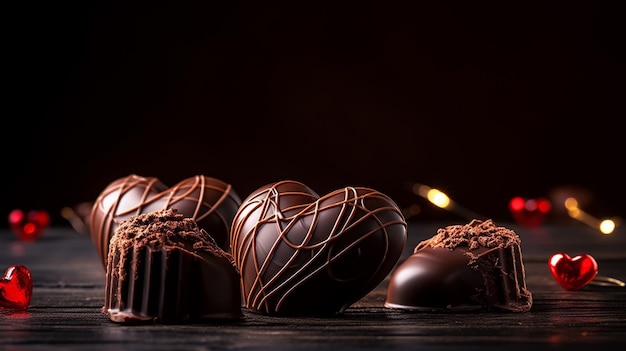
point(211, 202)
point(162, 268)
point(302, 254)
point(473, 267)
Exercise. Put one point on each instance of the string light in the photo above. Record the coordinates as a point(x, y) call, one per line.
point(606, 226)
point(441, 200)
point(78, 216)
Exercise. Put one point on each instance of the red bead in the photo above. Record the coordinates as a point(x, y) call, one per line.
point(29, 226)
point(529, 212)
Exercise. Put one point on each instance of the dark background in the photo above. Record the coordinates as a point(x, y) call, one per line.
point(484, 100)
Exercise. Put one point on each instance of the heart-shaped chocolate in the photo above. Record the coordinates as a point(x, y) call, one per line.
point(28, 226)
point(16, 288)
point(529, 213)
point(573, 273)
point(302, 254)
point(211, 202)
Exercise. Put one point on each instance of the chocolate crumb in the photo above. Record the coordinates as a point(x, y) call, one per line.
point(474, 235)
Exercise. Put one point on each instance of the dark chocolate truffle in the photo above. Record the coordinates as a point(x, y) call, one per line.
point(162, 268)
point(211, 202)
point(472, 267)
point(302, 254)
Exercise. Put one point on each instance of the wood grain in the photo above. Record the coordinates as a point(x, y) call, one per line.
point(65, 311)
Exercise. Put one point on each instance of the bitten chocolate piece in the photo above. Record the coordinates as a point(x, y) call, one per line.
point(162, 268)
point(472, 267)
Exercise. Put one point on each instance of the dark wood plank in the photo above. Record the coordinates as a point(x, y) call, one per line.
point(65, 312)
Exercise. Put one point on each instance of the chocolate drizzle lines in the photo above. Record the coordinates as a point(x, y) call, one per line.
point(211, 202)
point(285, 235)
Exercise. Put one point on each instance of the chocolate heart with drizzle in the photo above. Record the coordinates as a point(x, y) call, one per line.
point(302, 254)
point(211, 202)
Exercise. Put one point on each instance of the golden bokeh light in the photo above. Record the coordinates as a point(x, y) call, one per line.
point(607, 226)
point(571, 204)
point(438, 198)
point(441, 200)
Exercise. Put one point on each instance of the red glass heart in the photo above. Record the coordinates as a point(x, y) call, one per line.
point(573, 273)
point(16, 288)
point(29, 226)
point(529, 212)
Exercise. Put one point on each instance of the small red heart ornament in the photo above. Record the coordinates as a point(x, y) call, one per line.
point(16, 288)
point(573, 273)
point(28, 226)
point(529, 212)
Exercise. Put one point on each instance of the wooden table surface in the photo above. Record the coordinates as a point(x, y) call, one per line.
point(65, 311)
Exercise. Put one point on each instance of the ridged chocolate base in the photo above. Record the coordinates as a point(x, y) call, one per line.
point(169, 287)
